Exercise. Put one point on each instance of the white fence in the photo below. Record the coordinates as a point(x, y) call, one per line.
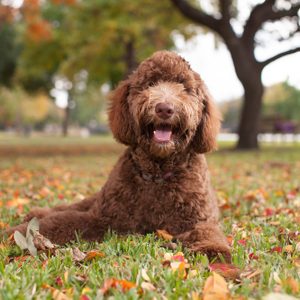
point(263, 137)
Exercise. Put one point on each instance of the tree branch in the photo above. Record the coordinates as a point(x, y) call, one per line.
point(225, 6)
point(279, 55)
point(197, 15)
point(265, 12)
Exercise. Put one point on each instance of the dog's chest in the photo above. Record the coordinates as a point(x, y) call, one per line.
point(180, 201)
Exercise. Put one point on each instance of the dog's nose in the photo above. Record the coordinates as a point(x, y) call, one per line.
point(164, 110)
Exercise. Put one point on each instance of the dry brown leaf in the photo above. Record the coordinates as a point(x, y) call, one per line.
point(42, 243)
point(164, 235)
point(250, 273)
point(56, 294)
point(215, 288)
point(226, 270)
point(78, 255)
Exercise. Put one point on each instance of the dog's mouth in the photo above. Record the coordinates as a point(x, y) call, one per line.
point(162, 133)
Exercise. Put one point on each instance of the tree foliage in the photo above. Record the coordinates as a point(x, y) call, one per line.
point(105, 38)
point(9, 48)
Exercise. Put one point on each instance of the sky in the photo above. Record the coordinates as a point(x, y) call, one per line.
point(216, 68)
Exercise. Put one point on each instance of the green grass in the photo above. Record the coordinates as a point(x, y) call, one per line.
point(260, 199)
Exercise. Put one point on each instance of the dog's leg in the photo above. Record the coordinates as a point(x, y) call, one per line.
point(41, 212)
point(61, 227)
point(206, 238)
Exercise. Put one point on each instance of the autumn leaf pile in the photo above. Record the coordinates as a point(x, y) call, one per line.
point(259, 195)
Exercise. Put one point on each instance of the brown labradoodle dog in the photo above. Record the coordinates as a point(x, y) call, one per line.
point(165, 115)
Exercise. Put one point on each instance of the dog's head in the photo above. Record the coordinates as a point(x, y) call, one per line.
point(164, 107)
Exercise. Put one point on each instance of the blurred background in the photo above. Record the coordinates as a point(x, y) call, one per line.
point(59, 59)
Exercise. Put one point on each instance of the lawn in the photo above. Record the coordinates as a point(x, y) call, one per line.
point(259, 194)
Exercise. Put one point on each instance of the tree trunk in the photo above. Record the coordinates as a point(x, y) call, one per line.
point(248, 71)
point(66, 120)
point(250, 115)
point(130, 57)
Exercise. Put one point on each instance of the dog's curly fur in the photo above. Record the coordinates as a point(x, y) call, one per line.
point(155, 184)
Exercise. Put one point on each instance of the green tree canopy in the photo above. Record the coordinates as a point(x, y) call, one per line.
point(105, 38)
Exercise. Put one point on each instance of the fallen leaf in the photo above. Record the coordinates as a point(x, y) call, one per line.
point(250, 273)
point(164, 235)
point(195, 296)
point(178, 257)
point(56, 294)
point(253, 256)
point(33, 241)
point(288, 248)
point(215, 288)
point(114, 283)
point(179, 267)
point(78, 255)
point(276, 249)
point(20, 240)
point(145, 275)
point(59, 281)
point(3, 225)
point(93, 254)
point(292, 284)
point(269, 212)
point(17, 202)
point(148, 286)
point(226, 270)
point(42, 243)
point(242, 242)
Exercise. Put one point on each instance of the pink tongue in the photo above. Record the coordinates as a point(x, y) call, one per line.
point(162, 135)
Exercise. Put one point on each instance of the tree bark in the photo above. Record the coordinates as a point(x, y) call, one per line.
point(248, 71)
point(250, 115)
point(130, 57)
point(66, 120)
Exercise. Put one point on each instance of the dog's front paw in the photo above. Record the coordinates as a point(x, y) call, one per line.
point(213, 250)
point(38, 212)
point(9, 231)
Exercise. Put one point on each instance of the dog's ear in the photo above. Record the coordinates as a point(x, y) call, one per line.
point(208, 128)
point(120, 120)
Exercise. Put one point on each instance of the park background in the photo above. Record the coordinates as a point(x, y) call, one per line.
point(59, 60)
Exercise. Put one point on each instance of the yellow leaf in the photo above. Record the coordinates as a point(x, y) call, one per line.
point(56, 294)
point(85, 290)
point(215, 288)
point(288, 249)
point(17, 202)
point(195, 296)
